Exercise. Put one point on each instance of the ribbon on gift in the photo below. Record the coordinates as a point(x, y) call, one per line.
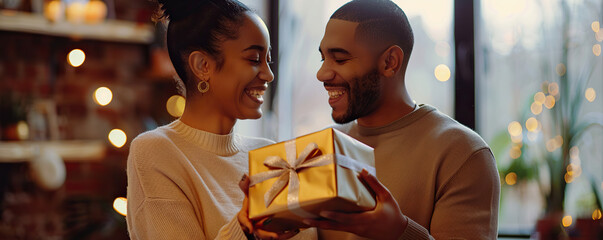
point(287, 169)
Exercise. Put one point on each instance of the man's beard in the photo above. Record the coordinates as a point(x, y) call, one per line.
point(363, 97)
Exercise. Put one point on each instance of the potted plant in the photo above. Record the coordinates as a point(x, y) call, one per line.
point(544, 140)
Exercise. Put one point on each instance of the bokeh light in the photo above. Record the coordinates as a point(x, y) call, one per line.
point(442, 73)
point(103, 96)
point(567, 221)
point(120, 205)
point(175, 105)
point(574, 152)
point(117, 137)
point(597, 49)
point(553, 89)
point(595, 26)
point(539, 97)
point(511, 178)
point(531, 124)
point(549, 102)
point(569, 178)
point(76, 57)
point(560, 69)
point(515, 152)
point(22, 130)
point(590, 94)
point(514, 128)
point(536, 108)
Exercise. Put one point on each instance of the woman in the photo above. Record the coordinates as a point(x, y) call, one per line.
point(183, 178)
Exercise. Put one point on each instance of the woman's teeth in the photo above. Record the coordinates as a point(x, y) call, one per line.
point(335, 93)
point(255, 93)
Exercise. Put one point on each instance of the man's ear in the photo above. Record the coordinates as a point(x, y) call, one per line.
point(201, 64)
point(391, 61)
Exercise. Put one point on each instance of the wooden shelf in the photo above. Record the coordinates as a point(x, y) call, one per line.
point(109, 30)
point(70, 151)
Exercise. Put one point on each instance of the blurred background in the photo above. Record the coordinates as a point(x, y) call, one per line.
point(79, 79)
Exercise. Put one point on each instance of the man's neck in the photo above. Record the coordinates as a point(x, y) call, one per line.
point(388, 112)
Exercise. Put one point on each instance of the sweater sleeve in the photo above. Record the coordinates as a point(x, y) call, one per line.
point(467, 205)
point(157, 208)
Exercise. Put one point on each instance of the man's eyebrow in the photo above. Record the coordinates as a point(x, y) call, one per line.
point(335, 50)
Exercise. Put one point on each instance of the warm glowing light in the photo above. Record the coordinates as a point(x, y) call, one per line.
point(560, 69)
point(539, 97)
point(515, 152)
point(599, 36)
point(590, 94)
point(553, 89)
point(54, 11)
point(549, 102)
point(175, 105)
point(76, 57)
point(95, 12)
point(558, 141)
point(514, 128)
point(75, 12)
point(442, 73)
point(595, 26)
point(511, 178)
point(536, 108)
point(551, 145)
point(22, 130)
point(120, 205)
point(569, 177)
point(117, 137)
point(597, 49)
point(574, 152)
point(103, 96)
point(532, 124)
point(597, 214)
point(574, 170)
point(567, 221)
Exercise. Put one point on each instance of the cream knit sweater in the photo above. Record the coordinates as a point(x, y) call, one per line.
point(183, 184)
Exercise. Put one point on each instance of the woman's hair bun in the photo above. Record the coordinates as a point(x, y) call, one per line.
point(180, 9)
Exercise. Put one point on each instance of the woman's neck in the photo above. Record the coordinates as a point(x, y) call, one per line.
point(199, 116)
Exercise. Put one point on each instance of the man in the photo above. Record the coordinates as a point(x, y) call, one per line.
point(437, 178)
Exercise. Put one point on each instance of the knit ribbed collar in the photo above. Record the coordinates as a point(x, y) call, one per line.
point(223, 145)
point(395, 125)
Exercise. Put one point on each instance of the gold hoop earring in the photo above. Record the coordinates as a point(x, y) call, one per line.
point(203, 86)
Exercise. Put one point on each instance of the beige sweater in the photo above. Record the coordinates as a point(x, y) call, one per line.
point(183, 184)
point(442, 175)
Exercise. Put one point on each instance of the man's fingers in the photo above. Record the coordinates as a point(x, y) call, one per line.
point(375, 185)
point(327, 224)
point(344, 218)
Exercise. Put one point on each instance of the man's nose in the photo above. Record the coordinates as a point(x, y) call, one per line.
point(325, 73)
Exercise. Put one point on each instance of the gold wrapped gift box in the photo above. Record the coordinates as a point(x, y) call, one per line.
point(297, 179)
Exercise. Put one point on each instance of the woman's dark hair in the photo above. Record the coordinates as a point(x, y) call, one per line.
point(199, 25)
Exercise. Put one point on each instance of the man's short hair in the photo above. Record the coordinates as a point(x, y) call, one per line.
point(381, 23)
